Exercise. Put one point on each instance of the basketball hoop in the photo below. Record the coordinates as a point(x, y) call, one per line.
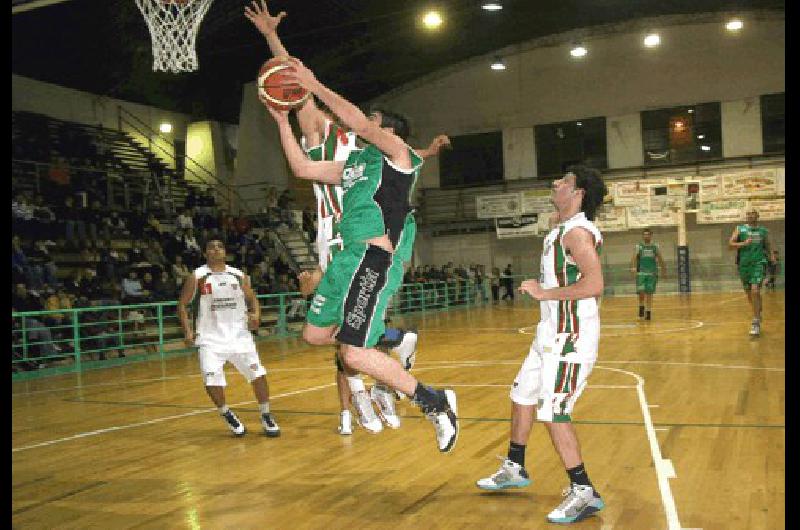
point(173, 27)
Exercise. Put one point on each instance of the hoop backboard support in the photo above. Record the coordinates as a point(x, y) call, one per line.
point(173, 26)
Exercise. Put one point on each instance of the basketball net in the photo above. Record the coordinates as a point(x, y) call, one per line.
point(173, 27)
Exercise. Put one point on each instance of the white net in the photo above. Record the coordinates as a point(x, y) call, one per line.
point(173, 27)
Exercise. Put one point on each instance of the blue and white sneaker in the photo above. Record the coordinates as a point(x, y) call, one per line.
point(233, 423)
point(579, 503)
point(270, 426)
point(510, 475)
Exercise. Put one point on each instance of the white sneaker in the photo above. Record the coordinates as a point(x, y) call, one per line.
point(755, 328)
point(384, 398)
point(345, 423)
point(444, 421)
point(407, 350)
point(510, 475)
point(270, 426)
point(366, 414)
point(580, 502)
point(233, 423)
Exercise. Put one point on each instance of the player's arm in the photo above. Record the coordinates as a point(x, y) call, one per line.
point(309, 280)
point(253, 307)
point(580, 244)
point(311, 119)
point(635, 261)
point(328, 172)
point(187, 294)
point(435, 146)
point(389, 144)
point(733, 243)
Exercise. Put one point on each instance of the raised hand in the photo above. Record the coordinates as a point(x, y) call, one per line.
point(261, 19)
point(300, 74)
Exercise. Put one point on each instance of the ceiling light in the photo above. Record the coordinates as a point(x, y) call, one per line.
point(578, 123)
point(734, 25)
point(165, 127)
point(492, 6)
point(701, 136)
point(432, 19)
point(578, 51)
point(690, 111)
point(498, 64)
point(705, 147)
point(652, 40)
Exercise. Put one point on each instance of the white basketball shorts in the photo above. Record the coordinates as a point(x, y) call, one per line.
point(212, 365)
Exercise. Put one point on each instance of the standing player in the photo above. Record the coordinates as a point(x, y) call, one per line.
point(773, 269)
point(323, 139)
point(752, 248)
point(226, 309)
point(564, 351)
point(378, 231)
point(643, 265)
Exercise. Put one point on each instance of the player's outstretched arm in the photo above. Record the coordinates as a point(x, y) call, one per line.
point(391, 145)
point(329, 172)
point(436, 145)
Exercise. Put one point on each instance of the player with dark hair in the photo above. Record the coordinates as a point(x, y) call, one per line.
point(226, 310)
point(753, 250)
point(564, 351)
point(643, 265)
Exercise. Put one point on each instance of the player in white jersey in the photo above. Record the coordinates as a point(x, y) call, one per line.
point(226, 310)
point(323, 139)
point(564, 350)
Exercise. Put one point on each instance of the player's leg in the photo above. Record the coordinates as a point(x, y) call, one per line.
point(249, 365)
point(524, 396)
point(375, 277)
point(212, 368)
point(319, 336)
point(640, 292)
point(755, 294)
point(350, 383)
point(343, 389)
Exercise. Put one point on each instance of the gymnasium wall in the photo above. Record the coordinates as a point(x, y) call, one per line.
point(697, 62)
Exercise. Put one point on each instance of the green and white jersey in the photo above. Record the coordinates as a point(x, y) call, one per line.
point(377, 199)
point(558, 269)
point(756, 252)
point(336, 145)
point(646, 263)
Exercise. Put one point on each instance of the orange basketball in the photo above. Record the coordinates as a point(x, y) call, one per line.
point(275, 89)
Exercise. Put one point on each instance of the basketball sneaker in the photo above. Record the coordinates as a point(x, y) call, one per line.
point(407, 349)
point(641, 311)
point(444, 418)
point(345, 423)
point(579, 502)
point(236, 426)
point(647, 315)
point(510, 475)
point(384, 398)
point(271, 428)
point(755, 328)
point(366, 414)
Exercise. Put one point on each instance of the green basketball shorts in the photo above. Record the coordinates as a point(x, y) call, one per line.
point(751, 274)
point(646, 282)
point(355, 292)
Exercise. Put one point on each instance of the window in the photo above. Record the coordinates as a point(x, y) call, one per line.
point(681, 134)
point(559, 145)
point(475, 159)
point(773, 122)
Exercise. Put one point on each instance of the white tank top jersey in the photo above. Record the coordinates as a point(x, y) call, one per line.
point(557, 269)
point(221, 311)
point(329, 197)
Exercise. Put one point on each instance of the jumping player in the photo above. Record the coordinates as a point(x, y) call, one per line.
point(226, 309)
point(564, 350)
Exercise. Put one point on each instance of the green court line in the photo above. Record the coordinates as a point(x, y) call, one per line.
point(500, 420)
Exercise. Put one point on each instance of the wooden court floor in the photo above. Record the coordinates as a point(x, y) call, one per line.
point(682, 426)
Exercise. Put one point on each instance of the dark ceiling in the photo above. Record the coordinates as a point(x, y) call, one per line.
point(359, 48)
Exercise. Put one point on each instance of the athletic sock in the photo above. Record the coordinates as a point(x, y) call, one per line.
point(223, 409)
point(356, 384)
point(428, 399)
point(641, 310)
point(578, 475)
point(264, 407)
point(516, 453)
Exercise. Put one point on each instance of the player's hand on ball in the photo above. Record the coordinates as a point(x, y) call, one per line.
point(261, 19)
point(278, 115)
point(532, 288)
point(300, 74)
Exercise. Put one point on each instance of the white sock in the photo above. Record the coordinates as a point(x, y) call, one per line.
point(264, 407)
point(356, 384)
point(223, 409)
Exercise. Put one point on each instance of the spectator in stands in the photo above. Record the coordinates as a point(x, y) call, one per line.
point(173, 244)
point(242, 224)
point(136, 222)
point(164, 288)
point(132, 289)
point(148, 283)
point(136, 255)
point(110, 260)
point(22, 215)
point(43, 218)
point(22, 269)
point(179, 270)
point(88, 217)
point(58, 178)
point(23, 301)
point(190, 247)
point(40, 255)
point(285, 201)
point(75, 227)
point(184, 220)
point(191, 199)
point(153, 226)
point(155, 256)
point(116, 225)
point(94, 219)
point(257, 281)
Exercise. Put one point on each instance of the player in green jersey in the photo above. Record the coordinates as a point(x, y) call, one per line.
point(753, 251)
point(644, 263)
point(378, 231)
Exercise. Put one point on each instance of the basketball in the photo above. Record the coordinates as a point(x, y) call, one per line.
point(275, 89)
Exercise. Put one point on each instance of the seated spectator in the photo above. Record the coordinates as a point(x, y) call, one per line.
point(44, 218)
point(173, 245)
point(89, 218)
point(242, 224)
point(40, 255)
point(148, 282)
point(23, 269)
point(132, 289)
point(36, 331)
point(58, 178)
point(75, 227)
point(179, 270)
point(111, 260)
point(164, 288)
point(184, 220)
point(22, 215)
point(136, 256)
point(285, 200)
point(155, 256)
point(116, 225)
point(96, 216)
